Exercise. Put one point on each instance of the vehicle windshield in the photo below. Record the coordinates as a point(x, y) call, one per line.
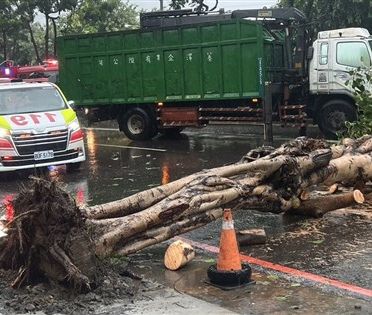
point(29, 100)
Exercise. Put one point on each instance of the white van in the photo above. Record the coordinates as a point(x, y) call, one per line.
point(38, 127)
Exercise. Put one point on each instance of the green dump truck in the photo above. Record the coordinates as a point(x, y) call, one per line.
point(182, 69)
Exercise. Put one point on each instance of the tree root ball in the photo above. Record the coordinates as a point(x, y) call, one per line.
point(48, 239)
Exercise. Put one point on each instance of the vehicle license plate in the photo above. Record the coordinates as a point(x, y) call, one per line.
point(43, 155)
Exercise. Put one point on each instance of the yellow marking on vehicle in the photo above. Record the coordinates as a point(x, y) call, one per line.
point(4, 123)
point(69, 115)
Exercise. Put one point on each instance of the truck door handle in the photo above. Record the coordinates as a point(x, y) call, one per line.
point(342, 76)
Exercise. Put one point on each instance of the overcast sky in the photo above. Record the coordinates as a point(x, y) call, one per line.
point(226, 4)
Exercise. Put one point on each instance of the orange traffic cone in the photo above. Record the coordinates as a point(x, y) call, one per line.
point(228, 258)
point(229, 270)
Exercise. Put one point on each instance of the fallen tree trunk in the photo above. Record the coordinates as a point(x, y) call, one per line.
point(274, 179)
point(266, 179)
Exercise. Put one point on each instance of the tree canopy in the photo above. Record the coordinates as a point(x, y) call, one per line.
point(198, 5)
point(100, 16)
point(26, 41)
point(332, 14)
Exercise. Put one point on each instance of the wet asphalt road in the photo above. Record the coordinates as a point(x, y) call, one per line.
point(117, 167)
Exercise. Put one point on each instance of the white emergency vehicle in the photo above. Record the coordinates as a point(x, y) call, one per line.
point(38, 127)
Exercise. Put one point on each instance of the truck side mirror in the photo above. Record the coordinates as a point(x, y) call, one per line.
point(71, 104)
point(310, 53)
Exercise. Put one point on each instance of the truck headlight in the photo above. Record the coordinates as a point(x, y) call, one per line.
point(74, 125)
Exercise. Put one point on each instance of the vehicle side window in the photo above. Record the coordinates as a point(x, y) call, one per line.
point(323, 59)
point(353, 54)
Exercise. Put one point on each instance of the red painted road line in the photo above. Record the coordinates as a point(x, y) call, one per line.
point(287, 270)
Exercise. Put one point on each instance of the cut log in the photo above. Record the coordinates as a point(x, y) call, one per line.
point(317, 207)
point(251, 237)
point(178, 254)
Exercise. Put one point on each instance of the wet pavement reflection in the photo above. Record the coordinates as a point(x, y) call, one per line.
point(116, 167)
point(269, 294)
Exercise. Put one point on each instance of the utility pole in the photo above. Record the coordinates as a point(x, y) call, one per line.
point(161, 5)
point(268, 115)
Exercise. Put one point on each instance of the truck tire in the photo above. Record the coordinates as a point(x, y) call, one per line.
point(137, 124)
point(333, 115)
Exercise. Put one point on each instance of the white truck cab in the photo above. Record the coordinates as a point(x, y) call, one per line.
point(336, 53)
point(38, 128)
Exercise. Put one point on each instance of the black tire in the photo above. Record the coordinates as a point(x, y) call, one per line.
point(230, 278)
point(73, 167)
point(137, 124)
point(333, 115)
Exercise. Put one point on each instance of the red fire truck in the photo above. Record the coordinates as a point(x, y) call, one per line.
point(45, 72)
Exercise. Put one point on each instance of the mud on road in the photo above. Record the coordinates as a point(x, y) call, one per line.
point(116, 285)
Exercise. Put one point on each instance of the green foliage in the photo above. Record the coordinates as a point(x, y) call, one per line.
point(50, 8)
point(178, 4)
point(55, 6)
point(93, 16)
point(8, 26)
point(332, 14)
point(27, 42)
point(361, 83)
point(199, 5)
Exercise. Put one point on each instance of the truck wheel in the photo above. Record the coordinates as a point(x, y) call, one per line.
point(333, 115)
point(137, 124)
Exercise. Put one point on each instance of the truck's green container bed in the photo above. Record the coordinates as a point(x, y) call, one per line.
point(215, 61)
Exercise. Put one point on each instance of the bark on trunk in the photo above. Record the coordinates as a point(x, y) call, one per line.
point(317, 207)
point(160, 234)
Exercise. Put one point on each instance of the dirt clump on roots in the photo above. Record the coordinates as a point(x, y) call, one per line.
point(48, 262)
point(48, 239)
